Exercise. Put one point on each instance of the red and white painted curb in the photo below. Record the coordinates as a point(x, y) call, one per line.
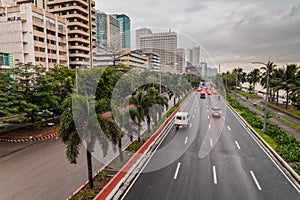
point(29, 138)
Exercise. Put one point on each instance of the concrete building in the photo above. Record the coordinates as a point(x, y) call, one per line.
point(196, 56)
point(154, 62)
point(33, 35)
point(138, 33)
point(189, 56)
point(79, 15)
point(134, 59)
point(203, 67)
point(180, 60)
point(125, 29)
point(165, 45)
point(108, 33)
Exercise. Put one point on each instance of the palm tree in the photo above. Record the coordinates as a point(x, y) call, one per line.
point(153, 97)
point(288, 80)
point(296, 91)
point(263, 80)
point(275, 81)
point(253, 78)
point(138, 112)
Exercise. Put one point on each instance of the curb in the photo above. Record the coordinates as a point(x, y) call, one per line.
point(115, 183)
point(39, 137)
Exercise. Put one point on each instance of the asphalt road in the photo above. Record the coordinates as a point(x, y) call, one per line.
point(40, 171)
point(215, 158)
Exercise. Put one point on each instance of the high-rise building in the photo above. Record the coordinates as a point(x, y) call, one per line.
point(189, 56)
point(196, 56)
point(165, 45)
point(81, 32)
point(125, 29)
point(7, 3)
point(33, 35)
point(138, 33)
point(108, 33)
point(180, 60)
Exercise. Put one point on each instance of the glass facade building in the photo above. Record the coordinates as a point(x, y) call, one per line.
point(125, 29)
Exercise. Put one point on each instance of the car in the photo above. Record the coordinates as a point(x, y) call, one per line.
point(202, 95)
point(181, 120)
point(216, 112)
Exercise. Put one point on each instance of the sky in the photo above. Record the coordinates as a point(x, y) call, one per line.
point(234, 33)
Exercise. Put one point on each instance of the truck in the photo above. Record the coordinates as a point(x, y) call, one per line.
point(181, 120)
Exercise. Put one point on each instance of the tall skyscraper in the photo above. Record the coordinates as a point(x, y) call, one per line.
point(108, 32)
point(196, 56)
point(165, 45)
point(125, 29)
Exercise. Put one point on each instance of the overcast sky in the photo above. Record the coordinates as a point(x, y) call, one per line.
point(234, 33)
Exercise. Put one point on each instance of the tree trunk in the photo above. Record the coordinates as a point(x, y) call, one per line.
point(139, 132)
point(174, 101)
point(120, 149)
point(277, 97)
point(148, 123)
point(287, 99)
point(90, 169)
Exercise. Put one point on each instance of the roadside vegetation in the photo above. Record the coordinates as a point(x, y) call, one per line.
point(286, 145)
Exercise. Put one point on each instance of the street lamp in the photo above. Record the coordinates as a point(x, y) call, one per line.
point(264, 130)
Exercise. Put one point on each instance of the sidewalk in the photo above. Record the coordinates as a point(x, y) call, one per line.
point(288, 129)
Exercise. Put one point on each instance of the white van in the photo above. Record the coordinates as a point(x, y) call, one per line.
point(181, 119)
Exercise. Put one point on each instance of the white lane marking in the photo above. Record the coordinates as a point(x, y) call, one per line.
point(211, 142)
point(207, 110)
point(208, 117)
point(177, 170)
point(193, 116)
point(206, 105)
point(215, 175)
point(223, 117)
point(195, 110)
point(237, 144)
point(209, 126)
point(228, 128)
point(186, 139)
point(191, 125)
point(255, 180)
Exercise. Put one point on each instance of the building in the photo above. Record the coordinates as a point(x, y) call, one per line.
point(180, 60)
point(33, 35)
point(108, 33)
point(7, 3)
point(134, 59)
point(165, 45)
point(203, 67)
point(192, 70)
point(80, 31)
point(138, 33)
point(189, 57)
point(196, 56)
point(154, 61)
point(125, 29)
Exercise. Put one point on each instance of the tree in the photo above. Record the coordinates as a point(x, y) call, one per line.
point(263, 80)
point(253, 78)
point(288, 80)
point(275, 81)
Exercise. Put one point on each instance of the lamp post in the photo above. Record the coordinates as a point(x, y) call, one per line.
point(264, 130)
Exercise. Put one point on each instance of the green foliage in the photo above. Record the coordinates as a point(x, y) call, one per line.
point(133, 147)
point(102, 175)
point(287, 146)
point(86, 194)
point(171, 110)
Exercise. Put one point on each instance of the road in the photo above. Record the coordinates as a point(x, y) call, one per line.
point(215, 158)
point(40, 170)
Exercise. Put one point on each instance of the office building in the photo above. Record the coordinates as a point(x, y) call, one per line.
point(138, 33)
point(125, 29)
point(180, 60)
point(154, 62)
point(134, 59)
point(165, 45)
point(108, 33)
point(33, 35)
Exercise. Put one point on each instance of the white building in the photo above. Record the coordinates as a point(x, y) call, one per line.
point(165, 45)
point(33, 35)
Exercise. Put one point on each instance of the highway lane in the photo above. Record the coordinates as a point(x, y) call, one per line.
point(219, 160)
point(41, 171)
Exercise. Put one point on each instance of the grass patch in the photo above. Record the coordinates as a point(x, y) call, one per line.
point(247, 94)
point(288, 122)
point(267, 138)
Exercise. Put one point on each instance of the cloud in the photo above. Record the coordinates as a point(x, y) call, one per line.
point(232, 31)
